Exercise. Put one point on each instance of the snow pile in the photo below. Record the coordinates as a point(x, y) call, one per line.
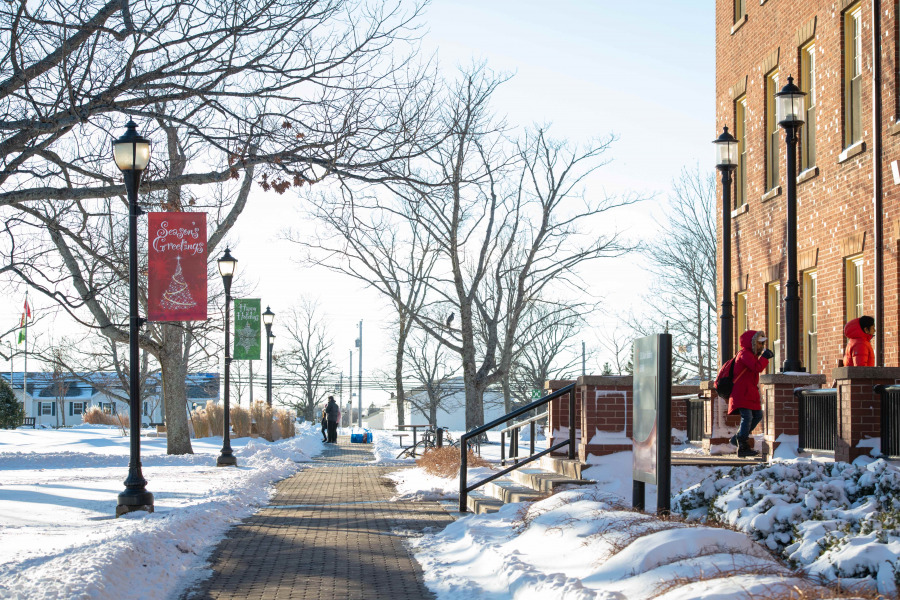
point(58, 535)
point(833, 520)
point(386, 447)
point(584, 545)
point(418, 484)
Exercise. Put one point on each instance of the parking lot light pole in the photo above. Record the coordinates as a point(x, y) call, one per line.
point(268, 318)
point(726, 163)
point(132, 155)
point(226, 270)
point(789, 107)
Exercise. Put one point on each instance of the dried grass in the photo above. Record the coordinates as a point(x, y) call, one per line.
point(444, 462)
point(270, 424)
point(95, 416)
point(261, 414)
point(284, 423)
point(240, 421)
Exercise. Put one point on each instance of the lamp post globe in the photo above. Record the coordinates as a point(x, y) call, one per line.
point(131, 153)
point(226, 269)
point(726, 162)
point(789, 109)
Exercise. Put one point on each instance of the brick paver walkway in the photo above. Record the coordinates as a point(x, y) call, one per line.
point(329, 533)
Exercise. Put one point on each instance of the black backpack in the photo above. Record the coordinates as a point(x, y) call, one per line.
point(725, 380)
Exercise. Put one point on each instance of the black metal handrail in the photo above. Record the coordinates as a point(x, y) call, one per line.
point(464, 442)
point(515, 430)
point(817, 418)
point(890, 419)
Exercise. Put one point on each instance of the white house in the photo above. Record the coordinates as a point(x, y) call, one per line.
point(453, 415)
point(52, 403)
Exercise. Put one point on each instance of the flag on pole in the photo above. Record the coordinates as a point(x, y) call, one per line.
point(27, 308)
point(22, 329)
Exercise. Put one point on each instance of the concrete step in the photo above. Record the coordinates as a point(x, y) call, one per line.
point(480, 503)
point(542, 481)
point(508, 491)
point(563, 466)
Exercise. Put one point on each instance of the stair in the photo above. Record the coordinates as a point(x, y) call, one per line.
point(526, 485)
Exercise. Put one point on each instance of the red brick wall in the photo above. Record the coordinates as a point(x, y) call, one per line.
point(839, 200)
point(559, 413)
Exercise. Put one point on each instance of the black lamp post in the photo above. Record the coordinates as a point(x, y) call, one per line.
point(268, 317)
point(132, 154)
point(271, 339)
point(789, 107)
point(726, 163)
point(226, 270)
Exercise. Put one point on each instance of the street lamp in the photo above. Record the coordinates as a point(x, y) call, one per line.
point(226, 270)
point(132, 154)
point(789, 110)
point(726, 163)
point(268, 317)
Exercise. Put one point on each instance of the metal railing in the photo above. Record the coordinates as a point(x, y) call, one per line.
point(515, 432)
point(695, 416)
point(817, 416)
point(464, 489)
point(890, 419)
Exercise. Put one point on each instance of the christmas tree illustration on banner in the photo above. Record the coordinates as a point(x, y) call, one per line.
point(178, 296)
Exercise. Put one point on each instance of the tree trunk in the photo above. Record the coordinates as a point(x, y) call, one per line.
point(398, 373)
point(432, 414)
point(507, 394)
point(474, 407)
point(699, 338)
point(174, 374)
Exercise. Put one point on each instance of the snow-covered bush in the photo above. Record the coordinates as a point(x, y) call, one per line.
point(11, 412)
point(839, 521)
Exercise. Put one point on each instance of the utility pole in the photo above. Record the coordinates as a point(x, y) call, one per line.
point(583, 359)
point(350, 391)
point(359, 398)
point(251, 382)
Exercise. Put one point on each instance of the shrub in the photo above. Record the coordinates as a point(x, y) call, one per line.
point(12, 414)
point(284, 423)
point(200, 423)
point(261, 413)
point(444, 462)
point(240, 421)
point(95, 416)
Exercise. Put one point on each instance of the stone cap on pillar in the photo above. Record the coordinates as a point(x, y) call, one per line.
point(866, 373)
point(685, 390)
point(557, 384)
point(798, 379)
point(606, 380)
point(708, 385)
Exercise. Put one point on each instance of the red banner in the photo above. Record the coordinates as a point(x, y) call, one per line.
point(177, 266)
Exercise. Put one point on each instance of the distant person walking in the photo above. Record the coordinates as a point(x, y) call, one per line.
point(859, 333)
point(752, 360)
point(333, 413)
point(324, 426)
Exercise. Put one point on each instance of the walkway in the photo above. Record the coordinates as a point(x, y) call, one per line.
point(329, 533)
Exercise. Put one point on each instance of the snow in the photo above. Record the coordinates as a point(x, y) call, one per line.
point(58, 535)
point(611, 437)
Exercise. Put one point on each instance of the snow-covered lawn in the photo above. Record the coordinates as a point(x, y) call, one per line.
point(58, 488)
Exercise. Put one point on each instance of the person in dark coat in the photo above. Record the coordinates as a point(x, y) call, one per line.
point(333, 413)
point(859, 334)
point(752, 360)
point(324, 426)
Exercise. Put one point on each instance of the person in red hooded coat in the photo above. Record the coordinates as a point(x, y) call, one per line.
point(859, 333)
point(752, 360)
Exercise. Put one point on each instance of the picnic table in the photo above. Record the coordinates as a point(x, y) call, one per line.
point(415, 430)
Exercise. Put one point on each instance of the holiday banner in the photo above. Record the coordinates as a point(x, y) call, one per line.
point(247, 328)
point(176, 258)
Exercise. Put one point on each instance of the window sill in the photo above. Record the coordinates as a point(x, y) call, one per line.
point(775, 191)
point(807, 174)
point(895, 128)
point(743, 208)
point(739, 24)
point(851, 151)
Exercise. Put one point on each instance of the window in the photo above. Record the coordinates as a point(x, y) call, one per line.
point(740, 132)
point(108, 407)
point(853, 271)
point(852, 76)
point(773, 325)
point(810, 322)
point(772, 131)
point(76, 408)
point(47, 408)
point(808, 85)
point(740, 9)
point(741, 314)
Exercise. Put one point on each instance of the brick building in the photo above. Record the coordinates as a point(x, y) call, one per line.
point(847, 168)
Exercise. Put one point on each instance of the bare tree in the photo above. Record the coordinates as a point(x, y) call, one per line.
point(682, 296)
point(307, 359)
point(433, 371)
point(59, 385)
point(618, 341)
point(278, 91)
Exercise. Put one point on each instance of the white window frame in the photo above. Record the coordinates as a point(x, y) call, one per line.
point(740, 132)
point(854, 286)
point(773, 324)
point(852, 70)
point(810, 321)
point(773, 133)
point(808, 85)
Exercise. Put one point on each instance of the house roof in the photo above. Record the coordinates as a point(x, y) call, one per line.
point(41, 384)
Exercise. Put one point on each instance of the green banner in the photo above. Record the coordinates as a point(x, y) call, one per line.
point(247, 328)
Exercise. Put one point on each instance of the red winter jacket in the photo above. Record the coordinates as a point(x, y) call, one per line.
point(859, 351)
point(747, 367)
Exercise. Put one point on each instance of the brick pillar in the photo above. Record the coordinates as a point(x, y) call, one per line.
point(780, 406)
point(605, 414)
point(859, 407)
point(679, 405)
point(559, 414)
